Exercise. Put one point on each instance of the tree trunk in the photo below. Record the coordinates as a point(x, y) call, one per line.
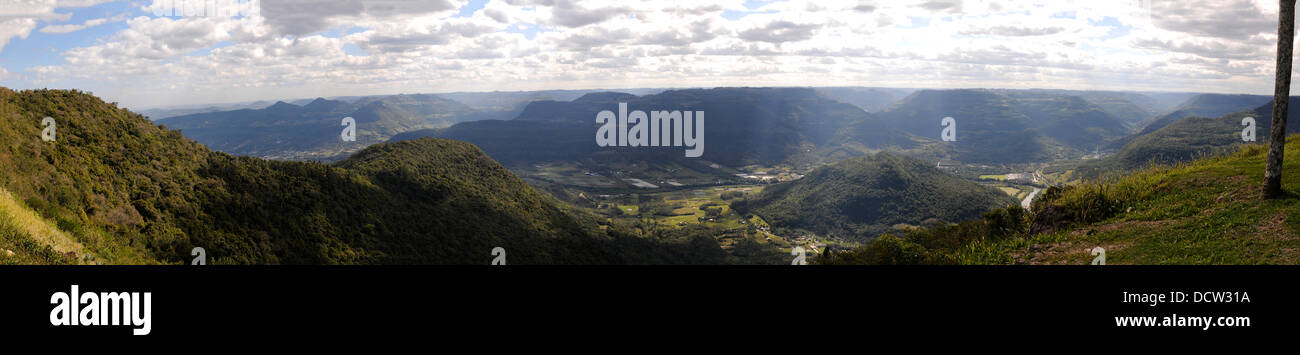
point(1281, 97)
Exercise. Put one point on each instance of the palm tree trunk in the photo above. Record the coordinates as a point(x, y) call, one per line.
point(1281, 97)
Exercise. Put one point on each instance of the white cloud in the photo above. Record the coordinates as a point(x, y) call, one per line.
point(15, 27)
point(281, 49)
point(69, 28)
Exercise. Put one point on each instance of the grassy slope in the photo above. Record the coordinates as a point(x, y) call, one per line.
point(1206, 212)
point(26, 238)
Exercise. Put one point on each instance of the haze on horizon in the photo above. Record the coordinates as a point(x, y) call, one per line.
point(308, 48)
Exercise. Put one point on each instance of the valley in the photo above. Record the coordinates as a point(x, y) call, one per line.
point(786, 168)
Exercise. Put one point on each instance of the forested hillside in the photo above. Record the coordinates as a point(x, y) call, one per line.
point(866, 196)
point(116, 188)
point(1186, 139)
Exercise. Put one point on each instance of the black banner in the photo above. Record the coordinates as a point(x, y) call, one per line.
point(294, 303)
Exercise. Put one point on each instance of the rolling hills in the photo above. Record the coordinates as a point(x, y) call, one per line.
point(1205, 105)
point(287, 131)
point(1007, 126)
point(745, 126)
point(132, 192)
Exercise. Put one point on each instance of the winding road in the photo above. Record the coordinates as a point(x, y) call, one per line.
point(1029, 200)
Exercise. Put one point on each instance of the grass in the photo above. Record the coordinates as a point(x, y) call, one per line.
point(1210, 211)
point(34, 239)
point(26, 238)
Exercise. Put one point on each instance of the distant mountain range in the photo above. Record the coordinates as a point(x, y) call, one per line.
point(287, 131)
point(801, 127)
point(744, 126)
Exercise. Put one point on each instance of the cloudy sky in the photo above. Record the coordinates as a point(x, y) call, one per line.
point(276, 49)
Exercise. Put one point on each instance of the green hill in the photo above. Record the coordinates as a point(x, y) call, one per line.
point(865, 196)
point(1205, 105)
point(129, 192)
point(1206, 212)
point(1186, 139)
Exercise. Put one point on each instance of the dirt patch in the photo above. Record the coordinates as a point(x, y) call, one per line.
point(1274, 225)
point(1059, 253)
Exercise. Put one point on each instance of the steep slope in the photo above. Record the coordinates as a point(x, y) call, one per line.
point(1071, 120)
point(865, 196)
point(26, 238)
point(1210, 211)
point(1185, 139)
point(133, 192)
point(990, 126)
point(1205, 105)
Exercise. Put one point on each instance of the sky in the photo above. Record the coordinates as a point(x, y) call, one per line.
point(137, 54)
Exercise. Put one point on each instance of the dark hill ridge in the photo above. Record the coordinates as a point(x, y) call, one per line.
point(743, 126)
point(323, 105)
point(867, 98)
point(605, 97)
point(1069, 119)
point(1129, 107)
point(1008, 126)
point(1205, 105)
point(1188, 138)
point(866, 196)
point(989, 127)
point(311, 132)
point(283, 106)
point(133, 192)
